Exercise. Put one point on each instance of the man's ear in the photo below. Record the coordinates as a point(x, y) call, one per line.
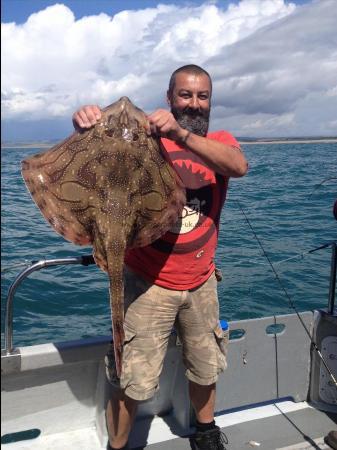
point(168, 99)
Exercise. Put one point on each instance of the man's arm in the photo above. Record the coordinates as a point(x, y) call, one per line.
point(224, 159)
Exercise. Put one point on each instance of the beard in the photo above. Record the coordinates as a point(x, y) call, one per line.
point(195, 121)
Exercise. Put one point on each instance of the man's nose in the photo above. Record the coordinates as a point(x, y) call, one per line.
point(194, 103)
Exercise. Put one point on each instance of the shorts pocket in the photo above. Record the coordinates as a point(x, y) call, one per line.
point(110, 366)
point(222, 339)
point(129, 335)
point(109, 360)
point(128, 354)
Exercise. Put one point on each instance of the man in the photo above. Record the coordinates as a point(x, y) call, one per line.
point(172, 281)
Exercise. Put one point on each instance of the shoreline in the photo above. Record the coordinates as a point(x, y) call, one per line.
point(34, 145)
point(252, 142)
point(289, 141)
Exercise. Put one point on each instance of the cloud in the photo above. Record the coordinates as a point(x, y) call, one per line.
point(269, 59)
point(286, 70)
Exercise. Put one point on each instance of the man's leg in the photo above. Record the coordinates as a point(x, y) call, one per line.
point(150, 313)
point(208, 435)
point(120, 413)
point(203, 401)
point(204, 354)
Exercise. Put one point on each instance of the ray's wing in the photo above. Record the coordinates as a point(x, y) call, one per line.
point(94, 188)
point(62, 182)
point(161, 196)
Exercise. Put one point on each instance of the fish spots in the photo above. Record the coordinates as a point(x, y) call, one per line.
point(86, 175)
point(41, 203)
point(109, 186)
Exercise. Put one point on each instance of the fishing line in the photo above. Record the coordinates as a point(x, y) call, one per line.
point(292, 305)
point(320, 184)
point(10, 267)
point(277, 263)
point(308, 252)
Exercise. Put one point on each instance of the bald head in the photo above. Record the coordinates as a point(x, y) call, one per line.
point(190, 69)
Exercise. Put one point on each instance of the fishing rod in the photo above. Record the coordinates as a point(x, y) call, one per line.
point(292, 305)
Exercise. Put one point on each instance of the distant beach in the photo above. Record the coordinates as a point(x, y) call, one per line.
point(27, 145)
point(289, 141)
point(241, 141)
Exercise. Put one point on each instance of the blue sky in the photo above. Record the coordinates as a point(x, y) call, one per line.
point(273, 62)
point(19, 10)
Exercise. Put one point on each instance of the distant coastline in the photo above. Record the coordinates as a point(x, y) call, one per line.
point(23, 145)
point(288, 141)
point(242, 141)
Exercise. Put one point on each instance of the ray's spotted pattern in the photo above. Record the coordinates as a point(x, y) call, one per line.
point(110, 187)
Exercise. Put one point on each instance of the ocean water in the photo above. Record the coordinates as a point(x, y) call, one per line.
point(288, 210)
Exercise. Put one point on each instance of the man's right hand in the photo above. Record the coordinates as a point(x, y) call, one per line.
point(86, 117)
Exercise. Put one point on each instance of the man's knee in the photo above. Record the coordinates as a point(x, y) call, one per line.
point(119, 395)
point(201, 388)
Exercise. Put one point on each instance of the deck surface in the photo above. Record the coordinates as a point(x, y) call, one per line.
point(300, 430)
point(303, 429)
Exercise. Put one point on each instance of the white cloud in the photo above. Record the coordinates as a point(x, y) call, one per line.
point(272, 122)
point(332, 92)
point(267, 58)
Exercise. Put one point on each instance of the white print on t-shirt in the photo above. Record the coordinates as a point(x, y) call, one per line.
point(189, 218)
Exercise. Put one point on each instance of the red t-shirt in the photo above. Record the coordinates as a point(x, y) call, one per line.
point(184, 257)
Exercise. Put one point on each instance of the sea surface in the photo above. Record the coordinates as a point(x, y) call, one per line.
point(282, 196)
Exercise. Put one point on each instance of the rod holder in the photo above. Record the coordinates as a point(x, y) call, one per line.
point(332, 289)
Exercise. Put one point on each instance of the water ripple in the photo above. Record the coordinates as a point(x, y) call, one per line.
point(279, 197)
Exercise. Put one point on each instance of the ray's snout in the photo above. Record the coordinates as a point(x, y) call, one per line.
point(128, 114)
point(124, 99)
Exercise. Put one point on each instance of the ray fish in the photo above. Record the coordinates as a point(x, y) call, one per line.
point(111, 187)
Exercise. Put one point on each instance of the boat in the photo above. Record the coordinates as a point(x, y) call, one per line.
point(279, 391)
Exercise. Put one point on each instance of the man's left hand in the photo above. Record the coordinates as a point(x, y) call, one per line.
point(163, 123)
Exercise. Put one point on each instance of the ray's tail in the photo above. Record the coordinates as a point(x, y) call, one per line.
point(115, 261)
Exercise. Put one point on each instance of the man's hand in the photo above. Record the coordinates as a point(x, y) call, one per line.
point(86, 117)
point(163, 123)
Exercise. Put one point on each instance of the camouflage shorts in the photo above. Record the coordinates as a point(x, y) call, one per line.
point(151, 312)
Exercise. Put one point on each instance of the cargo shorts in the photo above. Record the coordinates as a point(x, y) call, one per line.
point(151, 312)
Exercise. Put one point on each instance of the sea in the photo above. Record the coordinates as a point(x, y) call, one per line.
point(282, 210)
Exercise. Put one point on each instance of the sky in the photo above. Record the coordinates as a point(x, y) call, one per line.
point(273, 62)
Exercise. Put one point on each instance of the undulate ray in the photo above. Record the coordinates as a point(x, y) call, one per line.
point(111, 187)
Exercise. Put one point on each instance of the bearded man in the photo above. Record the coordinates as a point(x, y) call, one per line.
point(172, 282)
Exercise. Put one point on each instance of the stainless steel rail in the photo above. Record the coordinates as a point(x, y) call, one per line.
point(84, 260)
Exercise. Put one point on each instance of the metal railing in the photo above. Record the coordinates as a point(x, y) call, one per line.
point(84, 260)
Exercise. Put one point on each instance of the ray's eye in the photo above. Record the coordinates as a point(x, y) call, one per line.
point(110, 132)
point(135, 136)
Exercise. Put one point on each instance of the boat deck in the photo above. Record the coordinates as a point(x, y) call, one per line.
point(59, 392)
point(280, 426)
point(283, 426)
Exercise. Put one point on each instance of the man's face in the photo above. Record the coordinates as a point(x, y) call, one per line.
point(190, 102)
